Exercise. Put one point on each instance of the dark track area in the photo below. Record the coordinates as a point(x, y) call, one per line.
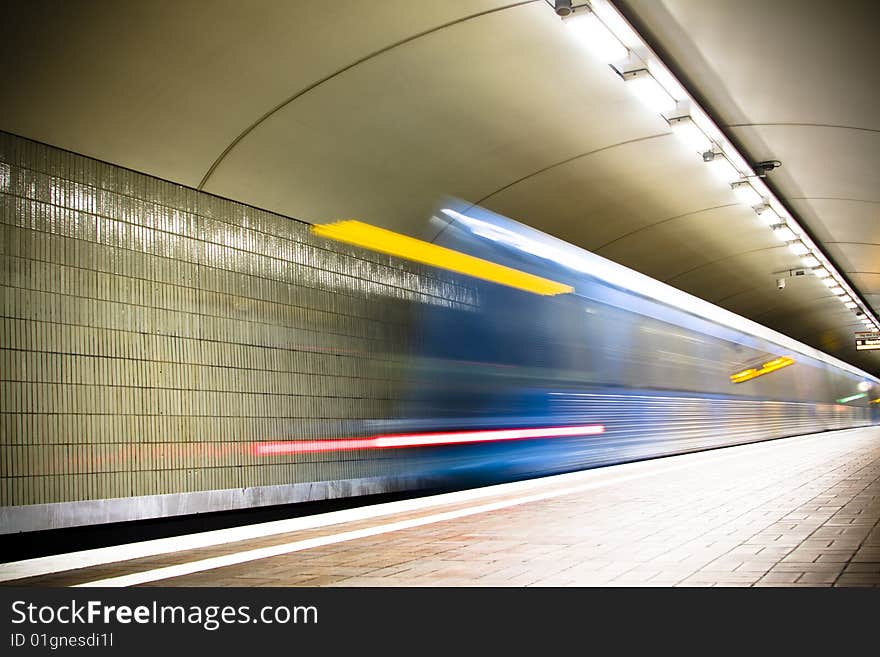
point(28, 545)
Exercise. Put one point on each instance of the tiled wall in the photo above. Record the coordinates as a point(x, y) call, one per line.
point(151, 334)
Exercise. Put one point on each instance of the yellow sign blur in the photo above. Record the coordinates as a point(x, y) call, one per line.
point(409, 248)
point(766, 368)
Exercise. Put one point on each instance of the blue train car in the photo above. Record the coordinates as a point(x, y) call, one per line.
point(620, 368)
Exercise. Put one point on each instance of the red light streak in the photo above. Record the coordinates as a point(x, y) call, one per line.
point(395, 441)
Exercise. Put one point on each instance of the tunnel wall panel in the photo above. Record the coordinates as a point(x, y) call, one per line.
point(151, 334)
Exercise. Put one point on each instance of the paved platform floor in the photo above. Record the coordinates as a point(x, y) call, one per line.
point(794, 512)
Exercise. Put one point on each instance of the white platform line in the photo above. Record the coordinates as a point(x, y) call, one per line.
point(255, 554)
point(297, 546)
point(156, 547)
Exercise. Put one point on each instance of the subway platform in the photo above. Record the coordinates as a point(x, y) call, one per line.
point(800, 511)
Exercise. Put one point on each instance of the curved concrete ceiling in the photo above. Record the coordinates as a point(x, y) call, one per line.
point(372, 110)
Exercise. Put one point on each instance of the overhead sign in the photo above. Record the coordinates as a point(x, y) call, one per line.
point(867, 340)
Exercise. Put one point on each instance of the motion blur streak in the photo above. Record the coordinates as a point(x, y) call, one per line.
point(391, 243)
point(766, 368)
point(421, 440)
point(517, 381)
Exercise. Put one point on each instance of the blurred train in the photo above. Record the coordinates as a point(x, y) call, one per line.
point(566, 360)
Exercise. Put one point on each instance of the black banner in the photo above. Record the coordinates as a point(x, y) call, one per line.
point(234, 621)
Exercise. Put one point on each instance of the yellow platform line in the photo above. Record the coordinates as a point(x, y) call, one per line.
point(409, 248)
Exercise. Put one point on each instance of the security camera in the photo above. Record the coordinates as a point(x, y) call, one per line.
point(780, 283)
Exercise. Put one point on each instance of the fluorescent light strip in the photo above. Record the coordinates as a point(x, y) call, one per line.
point(746, 194)
point(768, 215)
point(784, 233)
point(722, 169)
point(649, 91)
point(760, 187)
point(690, 134)
point(397, 441)
point(666, 92)
point(666, 80)
point(736, 158)
point(798, 248)
point(592, 33)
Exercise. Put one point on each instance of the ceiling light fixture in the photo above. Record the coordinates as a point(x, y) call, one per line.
point(746, 193)
point(609, 36)
point(690, 133)
point(667, 80)
point(736, 159)
point(798, 248)
point(593, 34)
point(721, 167)
point(759, 186)
point(649, 91)
point(809, 261)
point(768, 215)
point(784, 233)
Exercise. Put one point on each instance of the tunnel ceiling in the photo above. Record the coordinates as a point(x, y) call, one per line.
point(373, 110)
